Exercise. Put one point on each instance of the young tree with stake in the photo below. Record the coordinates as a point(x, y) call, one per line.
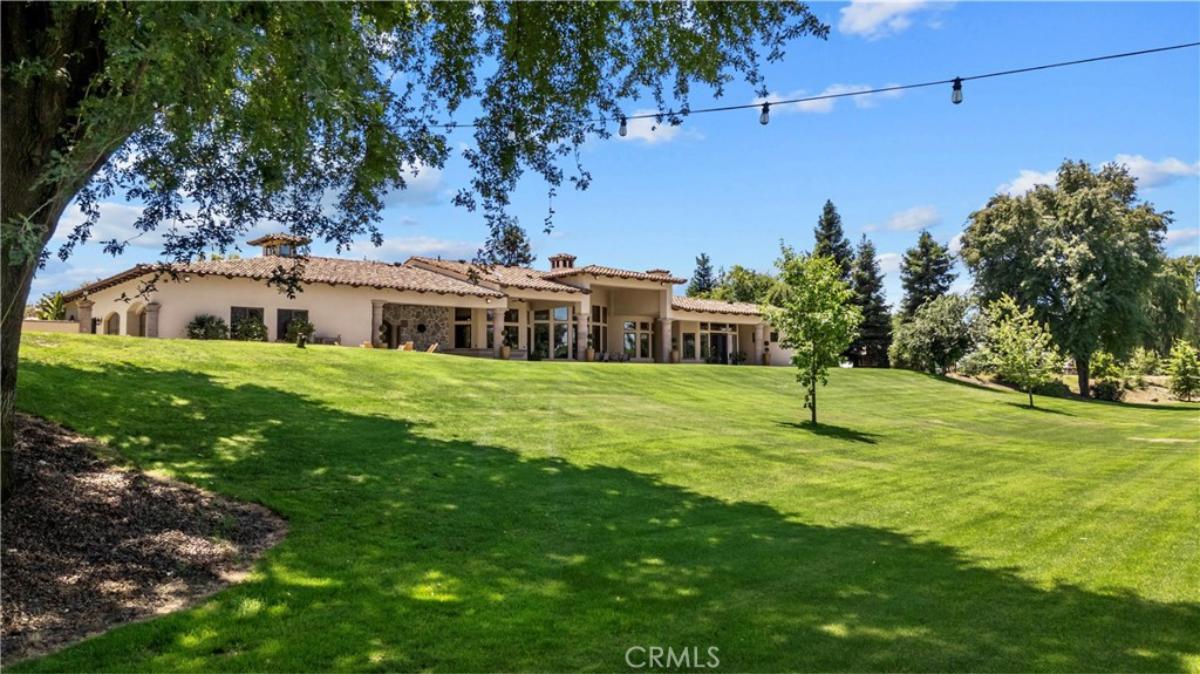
point(816, 317)
point(1020, 349)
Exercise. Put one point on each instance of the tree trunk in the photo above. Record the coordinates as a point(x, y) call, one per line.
point(36, 113)
point(1081, 371)
point(1030, 391)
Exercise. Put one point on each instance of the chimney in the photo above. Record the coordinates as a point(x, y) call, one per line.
point(562, 261)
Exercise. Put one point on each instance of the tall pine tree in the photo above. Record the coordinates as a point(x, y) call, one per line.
point(925, 273)
point(831, 240)
point(875, 333)
point(703, 280)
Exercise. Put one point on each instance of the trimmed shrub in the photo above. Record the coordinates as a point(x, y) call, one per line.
point(207, 326)
point(1108, 389)
point(297, 327)
point(249, 330)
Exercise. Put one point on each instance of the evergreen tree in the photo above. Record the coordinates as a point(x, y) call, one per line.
point(875, 333)
point(703, 280)
point(925, 273)
point(1184, 368)
point(508, 246)
point(831, 240)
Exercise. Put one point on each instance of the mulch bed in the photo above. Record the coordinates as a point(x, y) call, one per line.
point(87, 546)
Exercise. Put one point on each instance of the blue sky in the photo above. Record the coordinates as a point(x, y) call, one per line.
point(725, 185)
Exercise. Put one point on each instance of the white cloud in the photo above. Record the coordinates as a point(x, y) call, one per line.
point(1181, 236)
point(825, 105)
point(422, 186)
point(650, 131)
point(874, 19)
point(917, 217)
point(870, 228)
point(63, 276)
point(1026, 180)
point(1151, 173)
point(889, 263)
point(955, 246)
point(401, 248)
point(115, 222)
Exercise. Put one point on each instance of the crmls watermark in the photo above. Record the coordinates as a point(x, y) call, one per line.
point(657, 657)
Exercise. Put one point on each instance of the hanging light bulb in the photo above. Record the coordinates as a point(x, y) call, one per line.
point(766, 114)
point(956, 93)
point(624, 130)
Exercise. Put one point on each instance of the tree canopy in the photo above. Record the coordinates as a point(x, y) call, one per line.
point(509, 246)
point(218, 116)
point(741, 284)
point(1019, 348)
point(1082, 253)
point(925, 273)
point(830, 240)
point(815, 317)
point(935, 337)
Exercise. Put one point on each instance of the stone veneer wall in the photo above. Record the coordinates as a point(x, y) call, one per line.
point(409, 316)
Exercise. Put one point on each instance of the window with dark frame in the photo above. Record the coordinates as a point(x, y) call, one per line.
point(284, 318)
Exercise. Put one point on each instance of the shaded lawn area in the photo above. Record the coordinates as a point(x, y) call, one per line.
point(458, 514)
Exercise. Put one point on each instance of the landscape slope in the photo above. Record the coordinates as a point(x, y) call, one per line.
point(460, 514)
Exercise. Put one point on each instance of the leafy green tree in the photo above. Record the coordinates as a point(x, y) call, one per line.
point(1173, 304)
point(740, 284)
point(51, 307)
point(831, 240)
point(935, 337)
point(703, 281)
point(1020, 349)
point(1082, 253)
point(509, 246)
point(870, 349)
point(221, 115)
point(1184, 370)
point(1108, 377)
point(925, 273)
point(816, 319)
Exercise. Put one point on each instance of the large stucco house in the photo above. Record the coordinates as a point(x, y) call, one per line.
point(560, 313)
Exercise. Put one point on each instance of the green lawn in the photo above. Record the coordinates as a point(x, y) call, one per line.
point(457, 514)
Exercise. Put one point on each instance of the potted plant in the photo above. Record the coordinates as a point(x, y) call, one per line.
point(589, 354)
point(505, 349)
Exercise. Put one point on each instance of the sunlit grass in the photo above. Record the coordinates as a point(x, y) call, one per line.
point(462, 514)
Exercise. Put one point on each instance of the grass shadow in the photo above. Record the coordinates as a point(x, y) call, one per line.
point(831, 431)
point(1038, 408)
point(409, 552)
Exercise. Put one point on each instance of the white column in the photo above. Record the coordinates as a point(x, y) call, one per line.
point(376, 321)
point(758, 351)
point(498, 329)
point(664, 339)
point(581, 333)
point(728, 347)
point(152, 319)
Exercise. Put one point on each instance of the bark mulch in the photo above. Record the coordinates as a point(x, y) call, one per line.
point(88, 546)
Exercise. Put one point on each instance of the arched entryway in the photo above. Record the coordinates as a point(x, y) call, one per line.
point(135, 320)
point(112, 324)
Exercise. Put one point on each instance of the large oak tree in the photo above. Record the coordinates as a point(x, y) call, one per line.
point(1082, 253)
point(217, 116)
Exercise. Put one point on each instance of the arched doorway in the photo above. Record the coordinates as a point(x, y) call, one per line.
point(112, 324)
point(135, 320)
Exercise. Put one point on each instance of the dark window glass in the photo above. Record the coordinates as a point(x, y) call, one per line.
point(541, 315)
point(645, 325)
point(284, 317)
point(240, 313)
point(595, 314)
point(541, 340)
point(512, 316)
point(645, 342)
point(774, 336)
point(462, 314)
point(603, 314)
point(596, 340)
point(561, 345)
point(510, 335)
point(689, 345)
point(462, 336)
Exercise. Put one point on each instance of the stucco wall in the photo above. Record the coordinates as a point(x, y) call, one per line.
point(333, 310)
point(49, 326)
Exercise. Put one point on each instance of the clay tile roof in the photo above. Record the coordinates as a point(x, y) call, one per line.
point(598, 270)
point(714, 306)
point(330, 270)
point(513, 277)
point(268, 239)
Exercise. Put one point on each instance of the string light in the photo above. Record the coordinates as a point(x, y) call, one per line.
point(955, 96)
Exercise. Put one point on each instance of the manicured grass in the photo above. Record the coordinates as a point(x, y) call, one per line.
point(456, 514)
